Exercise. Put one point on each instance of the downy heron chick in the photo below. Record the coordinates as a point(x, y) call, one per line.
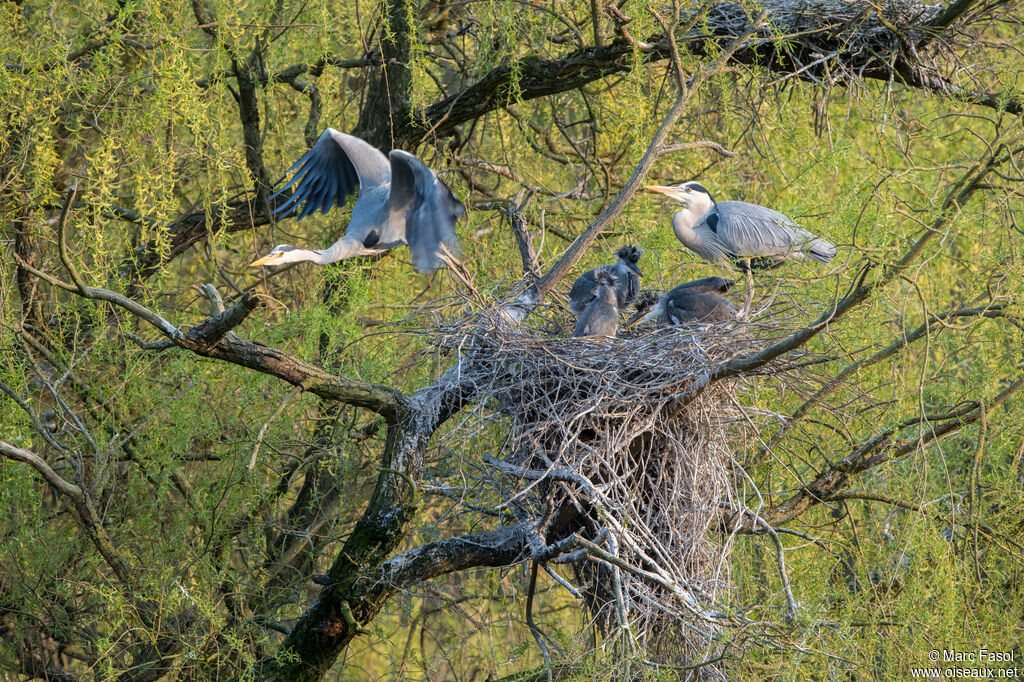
point(696, 301)
point(401, 201)
point(627, 274)
point(601, 316)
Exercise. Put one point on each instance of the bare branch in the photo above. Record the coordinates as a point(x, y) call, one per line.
point(503, 547)
point(698, 144)
point(531, 266)
point(208, 339)
point(44, 470)
point(865, 44)
point(62, 241)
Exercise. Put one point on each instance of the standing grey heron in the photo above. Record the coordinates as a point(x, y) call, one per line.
point(401, 201)
point(627, 275)
point(601, 316)
point(738, 231)
point(696, 301)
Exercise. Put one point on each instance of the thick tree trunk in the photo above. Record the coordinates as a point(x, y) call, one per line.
point(387, 106)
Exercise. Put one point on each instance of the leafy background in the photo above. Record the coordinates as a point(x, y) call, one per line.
point(141, 112)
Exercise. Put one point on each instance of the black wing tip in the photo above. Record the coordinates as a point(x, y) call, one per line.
point(630, 253)
point(822, 251)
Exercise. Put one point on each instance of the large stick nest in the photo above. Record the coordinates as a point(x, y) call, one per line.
point(614, 463)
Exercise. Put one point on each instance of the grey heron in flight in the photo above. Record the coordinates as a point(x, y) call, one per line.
point(401, 201)
point(601, 316)
point(696, 301)
point(627, 275)
point(738, 231)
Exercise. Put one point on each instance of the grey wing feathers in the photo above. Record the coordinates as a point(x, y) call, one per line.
point(332, 170)
point(753, 230)
point(432, 210)
point(686, 305)
point(707, 285)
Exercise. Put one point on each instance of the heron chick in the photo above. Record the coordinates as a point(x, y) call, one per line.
point(696, 301)
point(601, 316)
point(401, 202)
point(627, 274)
point(738, 231)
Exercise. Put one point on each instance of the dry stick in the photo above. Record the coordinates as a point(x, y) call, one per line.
point(132, 306)
point(63, 248)
point(531, 266)
point(698, 144)
point(874, 497)
point(620, 601)
point(538, 636)
point(562, 581)
point(44, 470)
point(456, 267)
point(780, 558)
point(216, 302)
point(975, 494)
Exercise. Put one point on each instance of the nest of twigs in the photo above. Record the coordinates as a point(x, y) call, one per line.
point(616, 458)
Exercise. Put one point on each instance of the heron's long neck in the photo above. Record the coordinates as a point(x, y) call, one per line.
point(685, 219)
point(696, 209)
point(346, 247)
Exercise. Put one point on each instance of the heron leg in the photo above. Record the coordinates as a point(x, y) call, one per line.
point(749, 298)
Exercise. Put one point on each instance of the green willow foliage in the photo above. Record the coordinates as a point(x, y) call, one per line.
point(224, 491)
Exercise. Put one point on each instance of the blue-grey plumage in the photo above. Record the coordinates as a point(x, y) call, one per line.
point(601, 315)
point(735, 230)
point(696, 301)
point(707, 285)
point(627, 274)
point(401, 201)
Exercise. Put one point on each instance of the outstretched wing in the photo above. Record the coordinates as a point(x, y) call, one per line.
point(432, 210)
point(751, 230)
point(331, 170)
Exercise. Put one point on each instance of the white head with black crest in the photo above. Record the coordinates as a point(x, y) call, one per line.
point(695, 198)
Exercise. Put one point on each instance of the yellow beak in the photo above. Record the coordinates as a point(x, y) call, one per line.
point(632, 322)
point(660, 189)
point(269, 258)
